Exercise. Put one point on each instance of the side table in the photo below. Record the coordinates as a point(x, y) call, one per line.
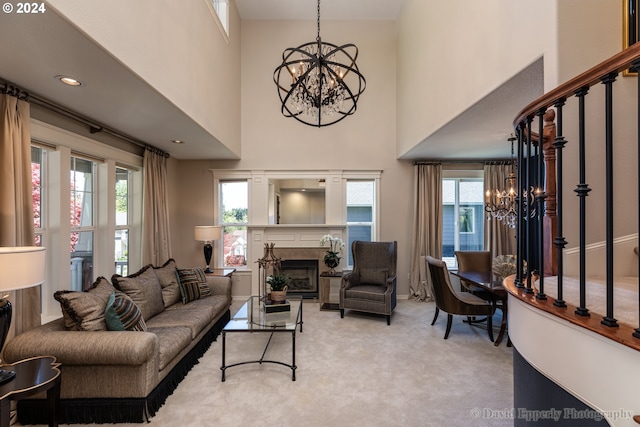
point(33, 376)
point(224, 272)
point(324, 296)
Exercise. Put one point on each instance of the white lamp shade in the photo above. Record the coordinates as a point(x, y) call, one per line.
point(21, 267)
point(207, 233)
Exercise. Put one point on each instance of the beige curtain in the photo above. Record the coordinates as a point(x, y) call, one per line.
point(16, 201)
point(427, 227)
point(156, 231)
point(499, 238)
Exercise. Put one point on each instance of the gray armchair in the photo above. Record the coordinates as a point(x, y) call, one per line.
point(371, 287)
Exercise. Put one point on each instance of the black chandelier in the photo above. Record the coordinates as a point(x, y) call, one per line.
point(322, 83)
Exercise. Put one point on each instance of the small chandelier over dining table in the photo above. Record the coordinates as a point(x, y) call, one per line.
point(502, 204)
point(319, 83)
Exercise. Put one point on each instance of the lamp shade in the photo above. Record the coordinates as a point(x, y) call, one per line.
point(207, 233)
point(21, 267)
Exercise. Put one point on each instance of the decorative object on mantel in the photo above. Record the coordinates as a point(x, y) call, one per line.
point(279, 284)
point(268, 265)
point(505, 265)
point(322, 83)
point(332, 257)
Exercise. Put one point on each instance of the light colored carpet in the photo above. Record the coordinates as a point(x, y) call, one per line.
point(352, 372)
point(625, 295)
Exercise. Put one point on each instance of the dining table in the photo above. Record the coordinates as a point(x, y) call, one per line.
point(486, 281)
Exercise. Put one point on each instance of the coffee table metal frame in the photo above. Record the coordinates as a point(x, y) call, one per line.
point(252, 318)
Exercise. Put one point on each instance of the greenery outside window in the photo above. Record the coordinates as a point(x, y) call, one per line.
point(234, 219)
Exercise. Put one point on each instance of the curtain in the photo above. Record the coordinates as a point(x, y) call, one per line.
point(427, 227)
point(499, 238)
point(16, 201)
point(156, 231)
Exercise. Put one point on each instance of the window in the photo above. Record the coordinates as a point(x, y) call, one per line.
point(463, 219)
point(221, 8)
point(82, 222)
point(360, 213)
point(123, 220)
point(38, 182)
point(234, 219)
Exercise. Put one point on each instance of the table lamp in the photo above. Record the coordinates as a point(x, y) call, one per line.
point(20, 267)
point(207, 234)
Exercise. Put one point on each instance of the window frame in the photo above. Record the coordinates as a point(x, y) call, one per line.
point(219, 245)
point(60, 145)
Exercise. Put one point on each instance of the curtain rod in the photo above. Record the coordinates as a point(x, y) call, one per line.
point(454, 161)
point(94, 127)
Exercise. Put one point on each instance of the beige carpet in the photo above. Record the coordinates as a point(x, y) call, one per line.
point(625, 295)
point(354, 371)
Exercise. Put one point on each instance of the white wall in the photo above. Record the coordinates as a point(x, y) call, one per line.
point(177, 49)
point(452, 55)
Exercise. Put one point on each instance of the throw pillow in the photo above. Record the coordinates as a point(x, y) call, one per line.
point(122, 314)
point(143, 287)
point(374, 276)
point(84, 311)
point(169, 282)
point(193, 284)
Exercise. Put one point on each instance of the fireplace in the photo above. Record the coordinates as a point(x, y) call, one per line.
point(304, 276)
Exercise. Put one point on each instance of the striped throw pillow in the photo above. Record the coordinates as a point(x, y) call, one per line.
point(193, 284)
point(122, 314)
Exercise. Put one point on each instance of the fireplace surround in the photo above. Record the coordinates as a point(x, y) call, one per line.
point(304, 276)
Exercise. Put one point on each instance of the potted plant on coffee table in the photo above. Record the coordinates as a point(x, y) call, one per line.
point(279, 283)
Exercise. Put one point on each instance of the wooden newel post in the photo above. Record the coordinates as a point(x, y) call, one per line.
point(550, 220)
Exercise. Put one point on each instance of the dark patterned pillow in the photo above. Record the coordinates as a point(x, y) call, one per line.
point(169, 282)
point(374, 276)
point(144, 288)
point(84, 311)
point(193, 284)
point(122, 314)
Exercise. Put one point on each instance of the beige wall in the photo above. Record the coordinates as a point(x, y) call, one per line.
point(451, 55)
point(271, 141)
point(590, 31)
point(196, 69)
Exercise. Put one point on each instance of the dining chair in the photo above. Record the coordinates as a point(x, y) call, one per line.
point(455, 302)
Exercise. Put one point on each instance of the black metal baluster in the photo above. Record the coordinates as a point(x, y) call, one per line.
point(529, 288)
point(520, 242)
point(608, 80)
point(583, 191)
point(559, 242)
point(540, 198)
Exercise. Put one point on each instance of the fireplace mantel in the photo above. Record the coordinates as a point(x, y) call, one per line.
point(289, 236)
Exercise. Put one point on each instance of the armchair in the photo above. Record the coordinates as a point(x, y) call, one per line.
point(453, 302)
point(371, 287)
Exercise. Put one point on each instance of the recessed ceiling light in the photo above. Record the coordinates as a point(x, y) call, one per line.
point(69, 81)
point(177, 141)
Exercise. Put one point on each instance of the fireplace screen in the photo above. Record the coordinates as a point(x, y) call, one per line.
point(304, 276)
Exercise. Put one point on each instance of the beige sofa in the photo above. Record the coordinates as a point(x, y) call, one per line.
point(115, 376)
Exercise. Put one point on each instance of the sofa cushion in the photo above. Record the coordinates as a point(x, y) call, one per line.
point(171, 342)
point(122, 314)
point(169, 282)
point(194, 318)
point(193, 284)
point(84, 311)
point(143, 287)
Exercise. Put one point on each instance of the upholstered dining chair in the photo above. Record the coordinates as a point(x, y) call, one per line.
point(479, 261)
point(371, 286)
point(455, 302)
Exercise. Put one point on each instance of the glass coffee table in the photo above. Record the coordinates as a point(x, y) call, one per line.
point(251, 317)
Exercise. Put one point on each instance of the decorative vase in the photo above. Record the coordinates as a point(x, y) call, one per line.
point(332, 261)
point(279, 296)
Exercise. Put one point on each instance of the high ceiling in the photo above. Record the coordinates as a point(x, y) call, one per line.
point(39, 47)
point(329, 9)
